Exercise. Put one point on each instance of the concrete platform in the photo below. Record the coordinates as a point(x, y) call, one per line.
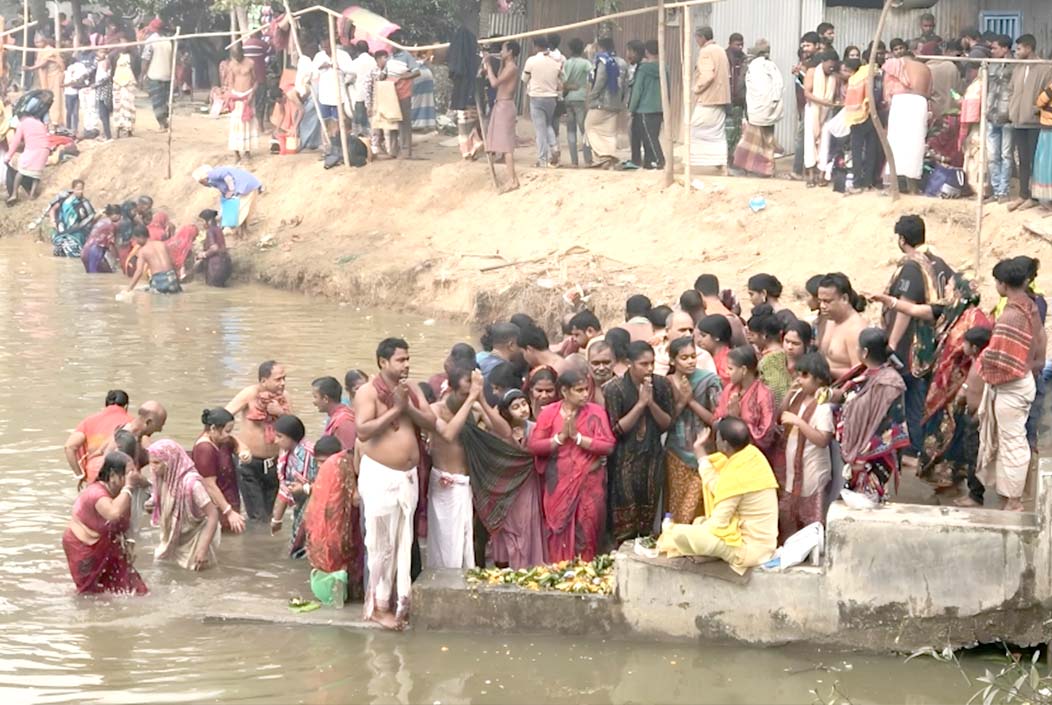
point(442, 600)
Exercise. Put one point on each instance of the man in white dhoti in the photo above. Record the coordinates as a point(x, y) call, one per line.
point(243, 130)
point(712, 95)
point(907, 88)
point(450, 518)
point(390, 418)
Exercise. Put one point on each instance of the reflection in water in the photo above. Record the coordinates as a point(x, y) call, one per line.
point(64, 342)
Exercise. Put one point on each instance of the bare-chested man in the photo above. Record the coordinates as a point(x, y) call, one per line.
point(709, 287)
point(907, 89)
point(450, 518)
point(843, 323)
point(537, 352)
point(390, 417)
point(243, 134)
point(153, 256)
point(260, 405)
point(500, 136)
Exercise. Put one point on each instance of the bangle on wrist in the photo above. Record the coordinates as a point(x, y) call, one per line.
point(275, 522)
point(578, 439)
point(227, 510)
point(126, 489)
point(556, 441)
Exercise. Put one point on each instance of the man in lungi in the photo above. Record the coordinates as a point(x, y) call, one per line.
point(907, 88)
point(237, 189)
point(243, 132)
point(765, 106)
point(390, 418)
point(712, 95)
point(157, 57)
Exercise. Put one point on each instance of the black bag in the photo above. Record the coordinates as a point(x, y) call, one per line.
point(35, 103)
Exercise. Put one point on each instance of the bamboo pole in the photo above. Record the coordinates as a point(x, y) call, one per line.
point(58, 33)
point(313, 94)
point(25, 40)
point(233, 26)
point(339, 94)
point(171, 98)
point(980, 188)
point(123, 45)
point(874, 116)
point(666, 99)
point(520, 35)
point(687, 94)
point(485, 138)
point(16, 30)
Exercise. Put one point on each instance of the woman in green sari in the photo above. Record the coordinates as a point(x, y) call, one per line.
point(765, 334)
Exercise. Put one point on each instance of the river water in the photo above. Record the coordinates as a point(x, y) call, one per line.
point(64, 341)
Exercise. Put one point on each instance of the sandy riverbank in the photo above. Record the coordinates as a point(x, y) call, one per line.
point(430, 235)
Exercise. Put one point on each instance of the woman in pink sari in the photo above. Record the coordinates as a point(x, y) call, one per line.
point(748, 398)
point(183, 510)
point(570, 443)
point(94, 539)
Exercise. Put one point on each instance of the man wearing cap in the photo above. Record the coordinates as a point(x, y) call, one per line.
point(764, 108)
point(157, 57)
point(237, 191)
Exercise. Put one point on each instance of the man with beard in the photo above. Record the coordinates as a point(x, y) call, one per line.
point(600, 368)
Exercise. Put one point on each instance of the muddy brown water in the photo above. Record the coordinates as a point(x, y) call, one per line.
point(64, 341)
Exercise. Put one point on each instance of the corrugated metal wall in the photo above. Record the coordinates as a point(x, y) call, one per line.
point(500, 24)
point(857, 27)
point(552, 13)
point(780, 22)
point(1037, 19)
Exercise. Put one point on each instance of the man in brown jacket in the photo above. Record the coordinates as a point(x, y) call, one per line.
point(1027, 82)
point(712, 95)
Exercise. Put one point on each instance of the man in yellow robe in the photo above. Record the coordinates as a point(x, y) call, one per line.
point(740, 525)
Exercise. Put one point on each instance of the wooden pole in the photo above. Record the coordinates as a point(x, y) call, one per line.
point(58, 35)
point(687, 95)
point(521, 35)
point(171, 98)
point(233, 27)
point(666, 99)
point(874, 116)
point(313, 94)
point(25, 41)
point(485, 137)
point(980, 188)
point(339, 94)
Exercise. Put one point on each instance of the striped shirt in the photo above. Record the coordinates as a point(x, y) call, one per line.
point(1007, 358)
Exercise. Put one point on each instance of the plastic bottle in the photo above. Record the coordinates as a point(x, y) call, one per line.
point(666, 523)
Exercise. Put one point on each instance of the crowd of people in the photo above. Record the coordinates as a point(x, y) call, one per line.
point(141, 241)
point(296, 90)
point(721, 434)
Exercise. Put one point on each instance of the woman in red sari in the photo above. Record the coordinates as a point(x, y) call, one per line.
point(570, 443)
point(334, 537)
point(713, 335)
point(748, 398)
point(94, 539)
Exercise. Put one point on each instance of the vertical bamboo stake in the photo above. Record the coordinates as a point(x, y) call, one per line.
point(873, 115)
point(25, 41)
point(339, 94)
point(980, 188)
point(313, 94)
point(666, 103)
point(688, 69)
point(58, 34)
point(233, 25)
point(171, 98)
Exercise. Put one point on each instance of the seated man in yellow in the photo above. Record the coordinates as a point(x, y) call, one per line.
point(740, 525)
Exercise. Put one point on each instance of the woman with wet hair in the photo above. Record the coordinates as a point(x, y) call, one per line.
point(94, 539)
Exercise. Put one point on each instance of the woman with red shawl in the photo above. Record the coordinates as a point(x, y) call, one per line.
point(748, 398)
point(570, 443)
point(94, 539)
point(160, 228)
point(180, 247)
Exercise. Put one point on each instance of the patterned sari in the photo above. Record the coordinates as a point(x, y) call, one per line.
point(332, 525)
point(296, 465)
point(683, 488)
